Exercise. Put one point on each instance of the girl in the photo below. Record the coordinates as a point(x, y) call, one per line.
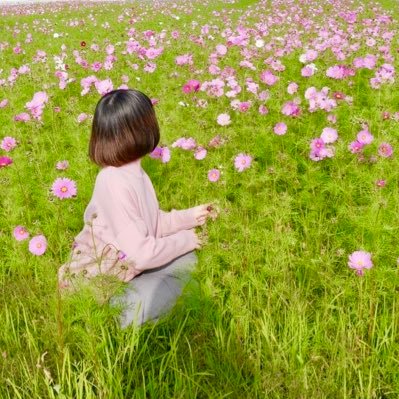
point(125, 232)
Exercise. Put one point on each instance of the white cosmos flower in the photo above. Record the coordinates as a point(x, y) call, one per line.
point(302, 58)
point(259, 43)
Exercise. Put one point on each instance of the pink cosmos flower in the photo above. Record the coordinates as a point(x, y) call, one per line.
point(268, 78)
point(364, 137)
point(38, 245)
point(216, 142)
point(264, 95)
point(332, 118)
point(292, 88)
point(62, 165)
point(242, 162)
point(213, 175)
point(96, 66)
point(20, 233)
point(150, 67)
point(152, 53)
point(280, 128)
point(22, 117)
point(36, 105)
point(355, 147)
point(64, 188)
point(221, 49)
point(223, 119)
point(386, 115)
point(200, 153)
point(291, 109)
point(156, 153)
point(360, 260)
point(244, 106)
point(185, 59)
point(104, 86)
point(385, 150)
point(5, 161)
point(329, 135)
point(162, 153)
point(82, 117)
point(317, 144)
point(192, 86)
point(165, 157)
point(263, 109)
point(8, 143)
point(380, 183)
point(307, 71)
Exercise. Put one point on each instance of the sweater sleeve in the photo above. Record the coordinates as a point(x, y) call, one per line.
point(131, 233)
point(176, 220)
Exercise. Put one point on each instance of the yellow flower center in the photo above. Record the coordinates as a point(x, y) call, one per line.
point(38, 245)
point(64, 189)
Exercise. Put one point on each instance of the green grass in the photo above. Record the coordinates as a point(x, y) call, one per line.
point(277, 312)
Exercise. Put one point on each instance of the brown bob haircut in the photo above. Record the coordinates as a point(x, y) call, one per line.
point(124, 128)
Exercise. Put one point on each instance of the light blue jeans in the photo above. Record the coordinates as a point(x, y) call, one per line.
point(155, 291)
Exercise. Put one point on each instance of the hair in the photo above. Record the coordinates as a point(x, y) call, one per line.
point(124, 128)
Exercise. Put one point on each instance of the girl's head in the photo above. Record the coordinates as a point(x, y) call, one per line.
point(124, 128)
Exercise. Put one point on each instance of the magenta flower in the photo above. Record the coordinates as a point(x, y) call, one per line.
point(8, 143)
point(317, 144)
point(3, 103)
point(329, 135)
point(364, 137)
point(62, 165)
point(213, 175)
point(64, 188)
point(242, 162)
point(192, 86)
point(280, 128)
point(38, 245)
point(360, 260)
point(385, 150)
point(223, 119)
point(156, 153)
point(380, 183)
point(355, 147)
point(5, 161)
point(20, 233)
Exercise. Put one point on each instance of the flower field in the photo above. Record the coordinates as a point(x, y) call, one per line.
point(284, 115)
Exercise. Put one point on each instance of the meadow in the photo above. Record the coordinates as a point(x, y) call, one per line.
point(284, 115)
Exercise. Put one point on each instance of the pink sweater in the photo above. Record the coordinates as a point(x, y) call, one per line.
point(125, 232)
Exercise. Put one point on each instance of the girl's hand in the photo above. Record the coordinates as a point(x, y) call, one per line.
point(201, 213)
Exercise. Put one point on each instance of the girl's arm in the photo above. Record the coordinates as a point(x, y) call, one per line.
point(119, 207)
point(176, 220)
